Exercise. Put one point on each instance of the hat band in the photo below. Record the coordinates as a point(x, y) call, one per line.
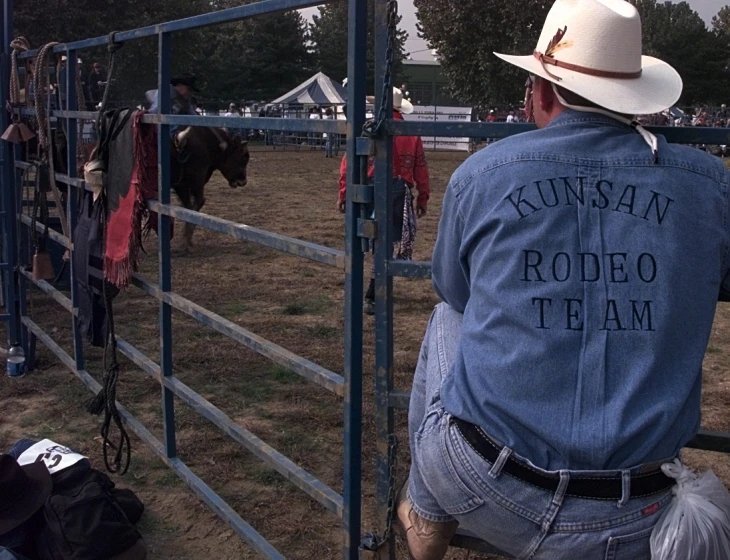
point(546, 59)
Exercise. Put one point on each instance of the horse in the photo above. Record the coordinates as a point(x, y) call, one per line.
point(196, 153)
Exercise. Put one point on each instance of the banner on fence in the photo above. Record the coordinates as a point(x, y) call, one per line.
point(432, 113)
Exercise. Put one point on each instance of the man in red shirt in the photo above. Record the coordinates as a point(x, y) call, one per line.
point(409, 170)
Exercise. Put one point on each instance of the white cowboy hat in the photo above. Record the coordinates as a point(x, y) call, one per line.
point(399, 103)
point(593, 48)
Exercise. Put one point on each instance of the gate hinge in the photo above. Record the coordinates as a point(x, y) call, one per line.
point(364, 146)
point(367, 229)
point(362, 194)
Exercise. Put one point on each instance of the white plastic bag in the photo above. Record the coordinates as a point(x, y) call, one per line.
point(696, 525)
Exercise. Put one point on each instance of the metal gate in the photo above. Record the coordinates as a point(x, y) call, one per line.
point(360, 231)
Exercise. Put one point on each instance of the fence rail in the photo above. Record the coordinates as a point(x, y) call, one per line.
point(388, 399)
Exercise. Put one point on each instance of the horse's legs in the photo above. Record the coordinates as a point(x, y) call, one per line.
point(197, 202)
point(186, 200)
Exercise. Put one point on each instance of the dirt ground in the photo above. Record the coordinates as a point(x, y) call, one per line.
point(292, 302)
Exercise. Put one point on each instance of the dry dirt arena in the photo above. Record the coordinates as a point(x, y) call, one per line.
point(292, 302)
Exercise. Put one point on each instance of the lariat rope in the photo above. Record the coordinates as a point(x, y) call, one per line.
point(20, 44)
point(106, 399)
point(41, 84)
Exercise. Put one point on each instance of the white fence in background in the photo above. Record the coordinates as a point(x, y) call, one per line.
point(438, 113)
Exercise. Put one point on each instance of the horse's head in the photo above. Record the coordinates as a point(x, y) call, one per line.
point(234, 162)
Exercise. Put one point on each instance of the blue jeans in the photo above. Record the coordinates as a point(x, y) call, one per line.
point(450, 480)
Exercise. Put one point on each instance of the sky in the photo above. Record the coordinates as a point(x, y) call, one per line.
point(419, 49)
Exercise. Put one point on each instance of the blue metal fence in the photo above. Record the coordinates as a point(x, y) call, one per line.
point(361, 195)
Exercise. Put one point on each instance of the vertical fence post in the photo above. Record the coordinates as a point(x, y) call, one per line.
point(7, 184)
point(165, 268)
point(357, 43)
point(383, 281)
point(72, 124)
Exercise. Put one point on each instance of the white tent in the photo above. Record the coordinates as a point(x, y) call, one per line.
point(317, 90)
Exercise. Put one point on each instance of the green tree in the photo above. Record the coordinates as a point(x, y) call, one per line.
point(721, 21)
point(677, 34)
point(328, 37)
point(257, 58)
point(466, 42)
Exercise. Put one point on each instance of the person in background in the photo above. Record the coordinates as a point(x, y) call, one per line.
point(579, 267)
point(701, 118)
point(182, 102)
point(722, 114)
point(410, 170)
point(181, 96)
point(328, 138)
point(97, 82)
point(233, 112)
point(511, 117)
point(315, 113)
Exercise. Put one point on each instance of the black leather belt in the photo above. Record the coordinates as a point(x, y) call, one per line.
point(595, 487)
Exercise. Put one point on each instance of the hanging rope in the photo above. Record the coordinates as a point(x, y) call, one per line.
point(19, 45)
point(106, 399)
point(40, 212)
point(41, 85)
point(81, 105)
point(112, 48)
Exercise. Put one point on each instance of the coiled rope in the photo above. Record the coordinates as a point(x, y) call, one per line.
point(19, 45)
point(42, 84)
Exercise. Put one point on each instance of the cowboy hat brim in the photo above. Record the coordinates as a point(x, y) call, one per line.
point(406, 106)
point(35, 495)
point(658, 88)
point(185, 82)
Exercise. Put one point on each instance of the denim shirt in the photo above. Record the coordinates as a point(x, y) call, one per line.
point(588, 277)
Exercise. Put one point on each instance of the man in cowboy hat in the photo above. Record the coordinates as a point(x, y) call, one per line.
point(182, 103)
point(579, 267)
point(409, 170)
point(181, 93)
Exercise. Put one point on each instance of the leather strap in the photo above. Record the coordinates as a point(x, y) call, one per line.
point(548, 59)
point(595, 487)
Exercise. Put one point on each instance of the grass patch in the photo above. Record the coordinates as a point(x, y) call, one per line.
point(284, 376)
point(168, 479)
point(315, 306)
point(74, 394)
point(151, 523)
point(308, 273)
point(296, 308)
point(267, 477)
point(323, 331)
point(254, 390)
point(713, 349)
point(28, 422)
point(236, 308)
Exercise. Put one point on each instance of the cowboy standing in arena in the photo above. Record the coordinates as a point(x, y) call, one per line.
point(409, 170)
point(579, 267)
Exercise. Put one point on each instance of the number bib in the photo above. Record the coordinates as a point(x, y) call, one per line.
point(56, 457)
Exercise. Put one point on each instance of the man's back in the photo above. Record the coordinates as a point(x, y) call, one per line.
point(588, 277)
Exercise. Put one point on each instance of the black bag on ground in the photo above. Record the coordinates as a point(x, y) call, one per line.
point(83, 518)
